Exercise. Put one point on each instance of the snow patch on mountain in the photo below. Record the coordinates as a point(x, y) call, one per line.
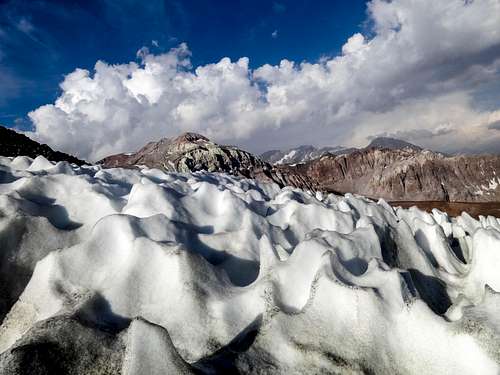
point(301, 154)
point(228, 274)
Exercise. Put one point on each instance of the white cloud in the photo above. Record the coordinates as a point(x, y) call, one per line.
point(451, 124)
point(418, 70)
point(274, 34)
point(354, 44)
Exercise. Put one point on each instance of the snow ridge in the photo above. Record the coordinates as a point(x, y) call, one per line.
point(228, 274)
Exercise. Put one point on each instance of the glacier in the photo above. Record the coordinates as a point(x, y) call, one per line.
point(124, 271)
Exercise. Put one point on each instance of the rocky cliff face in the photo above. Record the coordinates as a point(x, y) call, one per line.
point(408, 174)
point(193, 152)
point(16, 144)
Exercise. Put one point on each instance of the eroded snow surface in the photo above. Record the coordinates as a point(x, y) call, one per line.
point(155, 273)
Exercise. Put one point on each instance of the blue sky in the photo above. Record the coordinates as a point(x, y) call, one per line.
point(98, 77)
point(44, 40)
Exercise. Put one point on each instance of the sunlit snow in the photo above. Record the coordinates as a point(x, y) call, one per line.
point(194, 263)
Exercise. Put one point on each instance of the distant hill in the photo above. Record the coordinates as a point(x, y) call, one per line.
point(14, 144)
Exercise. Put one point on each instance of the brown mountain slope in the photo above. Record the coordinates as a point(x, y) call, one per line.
point(407, 174)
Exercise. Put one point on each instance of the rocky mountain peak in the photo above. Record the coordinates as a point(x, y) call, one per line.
point(192, 152)
point(190, 137)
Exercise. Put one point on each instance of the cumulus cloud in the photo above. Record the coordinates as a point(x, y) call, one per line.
point(448, 123)
point(418, 69)
point(422, 134)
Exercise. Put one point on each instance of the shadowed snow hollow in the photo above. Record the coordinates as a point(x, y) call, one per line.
point(140, 271)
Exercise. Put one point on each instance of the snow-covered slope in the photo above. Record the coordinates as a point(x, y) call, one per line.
point(145, 272)
point(302, 154)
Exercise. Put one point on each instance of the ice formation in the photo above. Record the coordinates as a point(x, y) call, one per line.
point(143, 272)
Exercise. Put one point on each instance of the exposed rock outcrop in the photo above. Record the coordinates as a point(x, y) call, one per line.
point(408, 174)
point(192, 152)
point(13, 143)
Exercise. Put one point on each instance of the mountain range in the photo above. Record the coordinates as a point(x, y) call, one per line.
point(407, 174)
point(305, 153)
point(302, 154)
point(386, 168)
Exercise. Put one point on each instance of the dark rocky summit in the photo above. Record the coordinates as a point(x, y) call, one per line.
point(392, 144)
point(192, 152)
point(13, 143)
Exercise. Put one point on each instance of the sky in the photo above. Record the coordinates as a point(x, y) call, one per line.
point(98, 77)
